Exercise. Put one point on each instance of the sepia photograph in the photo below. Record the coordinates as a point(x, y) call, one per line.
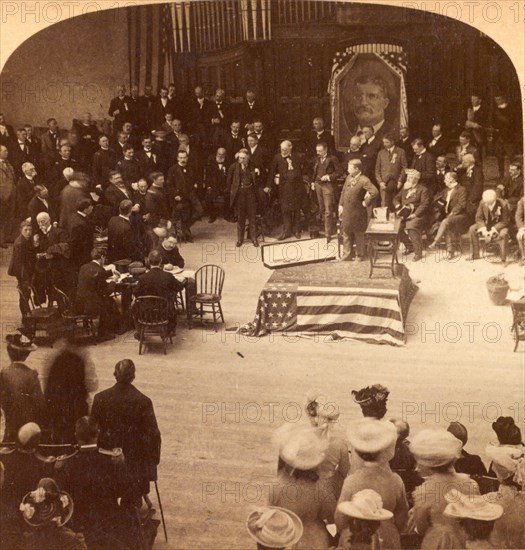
point(262, 272)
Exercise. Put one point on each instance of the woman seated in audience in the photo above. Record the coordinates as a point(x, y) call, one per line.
point(436, 452)
point(301, 451)
point(508, 463)
point(332, 471)
point(476, 515)
point(370, 439)
point(508, 434)
point(274, 528)
point(366, 513)
point(466, 463)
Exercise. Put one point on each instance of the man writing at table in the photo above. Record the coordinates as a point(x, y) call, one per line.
point(157, 282)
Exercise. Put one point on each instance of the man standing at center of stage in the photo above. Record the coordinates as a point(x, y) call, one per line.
point(286, 172)
point(358, 193)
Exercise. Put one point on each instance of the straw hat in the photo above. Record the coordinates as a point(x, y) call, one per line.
point(20, 342)
point(274, 527)
point(47, 504)
point(326, 408)
point(301, 448)
point(437, 447)
point(476, 507)
point(369, 435)
point(507, 462)
point(366, 504)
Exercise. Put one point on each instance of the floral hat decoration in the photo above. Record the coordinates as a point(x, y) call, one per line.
point(46, 505)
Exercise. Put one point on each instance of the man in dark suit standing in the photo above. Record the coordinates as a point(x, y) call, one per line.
point(233, 140)
point(93, 295)
point(148, 159)
point(471, 178)
point(104, 160)
point(157, 282)
point(424, 163)
point(371, 145)
point(119, 109)
point(264, 136)
point(147, 101)
point(50, 139)
point(511, 188)
point(64, 159)
point(437, 146)
point(123, 242)
point(286, 173)
point(405, 143)
point(325, 173)
point(477, 120)
point(319, 135)
point(157, 203)
point(215, 181)
point(412, 204)
point(442, 168)
point(251, 109)
point(127, 420)
point(116, 191)
point(199, 116)
point(81, 231)
point(7, 134)
point(159, 107)
point(506, 118)
point(181, 188)
point(25, 189)
point(22, 152)
point(40, 203)
point(220, 117)
point(390, 169)
point(243, 197)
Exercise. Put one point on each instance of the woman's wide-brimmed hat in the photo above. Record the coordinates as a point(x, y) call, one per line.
point(274, 527)
point(365, 504)
point(301, 448)
point(461, 506)
point(369, 435)
point(371, 394)
point(47, 504)
point(20, 342)
point(435, 447)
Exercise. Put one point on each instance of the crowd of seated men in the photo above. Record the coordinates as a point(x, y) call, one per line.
point(170, 161)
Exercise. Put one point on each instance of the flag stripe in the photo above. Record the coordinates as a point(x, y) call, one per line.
point(349, 310)
point(340, 321)
point(324, 290)
point(351, 329)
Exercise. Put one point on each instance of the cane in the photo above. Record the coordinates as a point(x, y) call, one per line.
point(161, 512)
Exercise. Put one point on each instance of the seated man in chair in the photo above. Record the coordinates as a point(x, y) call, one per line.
point(157, 282)
point(492, 224)
point(412, 204)
point(93, 295)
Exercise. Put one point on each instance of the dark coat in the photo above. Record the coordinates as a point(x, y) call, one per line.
point(248, 114)
point(158, 112)
point(81, 231)
point(49, 143)
point(369, 152)
point(124, 115)
point(458, 201)
point(406, 145)
point(21, 398)
point(470, 464)
point(122, 240)
point(127, 420)
point(157, 206)
point(513, 190)
point(36, 206)
point(157, 282)
point(147, 165)
point(69, 197)
point(114, 195)
point(355, 218)
point(425, 164)
point(418, 198)
point(233, 144)
point(439, 149)
point(103, 162)
point(215, 176)
point(291, 185)
point(172, 257)
point(181, 181)
point(499, 217)
point(130, 170)
point(23, 259)
point(92, 289)
point(313, 139)
point(24, 191)
point(234, 179)
point(473, 183)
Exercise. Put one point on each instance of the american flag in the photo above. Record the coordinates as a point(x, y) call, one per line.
point(369, 314)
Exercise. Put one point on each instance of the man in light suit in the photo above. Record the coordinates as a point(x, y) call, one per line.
point(390, 168)
point(492, 223)
point(326, 172)
point(412, 204)
point(452, 204)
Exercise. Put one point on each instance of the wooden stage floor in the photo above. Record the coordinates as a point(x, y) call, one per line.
point(219, 396)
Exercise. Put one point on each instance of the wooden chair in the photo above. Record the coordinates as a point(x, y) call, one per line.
point(74, 324)
point(151, 314)
point(39, 318)
point(209, 281)
point(179, 302)
point(518, 321)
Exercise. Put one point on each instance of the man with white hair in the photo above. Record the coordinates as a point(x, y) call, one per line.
point(492, 223)
point(25, 189)
point(412, 204)
point(286, 173)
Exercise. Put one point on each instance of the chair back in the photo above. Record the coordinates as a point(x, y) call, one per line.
point(26, 294)
point(209, 279)
point(151, 310)
point(62, 300)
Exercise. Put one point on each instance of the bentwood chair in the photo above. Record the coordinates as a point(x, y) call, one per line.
point(75, 324)
point(38, 318)
point(151, 314)
point(209, 280)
